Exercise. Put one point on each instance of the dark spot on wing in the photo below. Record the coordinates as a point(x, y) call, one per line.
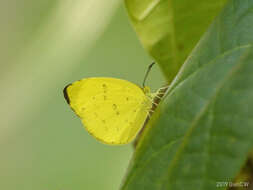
point(114, 106)
point(104, 87)
point(117, 113)
point(65, 93)
point(127, 98)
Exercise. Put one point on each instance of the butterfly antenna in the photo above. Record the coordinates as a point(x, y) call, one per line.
point(146, 75)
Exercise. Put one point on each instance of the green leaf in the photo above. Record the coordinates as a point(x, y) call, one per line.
point(205, 128)
point(169, 30)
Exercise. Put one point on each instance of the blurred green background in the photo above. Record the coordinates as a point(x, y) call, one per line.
point(46, 45)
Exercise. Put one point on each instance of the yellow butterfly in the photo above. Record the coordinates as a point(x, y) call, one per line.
point(112, 110)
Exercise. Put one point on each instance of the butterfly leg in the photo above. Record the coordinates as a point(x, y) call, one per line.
point(148, 115)
point(155, 103)
point(164, 87)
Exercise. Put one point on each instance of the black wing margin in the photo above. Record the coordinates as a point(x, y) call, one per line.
point(65, 93)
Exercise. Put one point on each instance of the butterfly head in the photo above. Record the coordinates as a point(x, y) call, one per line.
point(147, 92)
point(151, 95)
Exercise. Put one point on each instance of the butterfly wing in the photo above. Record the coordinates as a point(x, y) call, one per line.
point(112, 110)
